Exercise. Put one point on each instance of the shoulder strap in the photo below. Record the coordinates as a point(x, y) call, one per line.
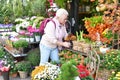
point(49, 19)
point(53, 22)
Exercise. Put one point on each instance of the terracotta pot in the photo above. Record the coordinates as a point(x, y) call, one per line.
point(14, 75)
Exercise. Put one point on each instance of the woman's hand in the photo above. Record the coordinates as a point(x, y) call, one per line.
point(66, 44)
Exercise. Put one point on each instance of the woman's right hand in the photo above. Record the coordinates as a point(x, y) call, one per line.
point(66, 44)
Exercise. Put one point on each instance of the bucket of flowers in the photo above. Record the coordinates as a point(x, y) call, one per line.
point(6, 63)
point(4, 69)
point(46, 71)
point(35, 31)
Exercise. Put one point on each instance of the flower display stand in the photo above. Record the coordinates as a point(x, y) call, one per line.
point(5, 75)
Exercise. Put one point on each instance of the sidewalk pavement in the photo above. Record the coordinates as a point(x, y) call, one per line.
point(17, 78)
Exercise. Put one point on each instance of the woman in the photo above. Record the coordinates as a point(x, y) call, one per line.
point(52, 38)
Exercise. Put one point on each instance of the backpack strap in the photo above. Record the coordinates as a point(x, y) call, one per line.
point(49, 19)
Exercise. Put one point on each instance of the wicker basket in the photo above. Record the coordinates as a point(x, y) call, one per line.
point(81, 46)
point(23, 74)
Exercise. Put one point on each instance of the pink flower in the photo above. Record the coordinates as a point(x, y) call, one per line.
point(22, 32)
point(36, 30)
point(5, 68)
point(28, 34)
point(31, 29)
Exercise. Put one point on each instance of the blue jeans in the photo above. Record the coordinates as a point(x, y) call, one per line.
point(47, 52)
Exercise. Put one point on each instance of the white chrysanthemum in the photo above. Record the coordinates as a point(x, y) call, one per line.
point(50, 72)
point(25, 24)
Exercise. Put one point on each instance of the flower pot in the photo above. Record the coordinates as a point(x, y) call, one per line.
point(37, 38)
point(27, 39)
point(23, 74)
point(14, 75)
point(31, 39)
point(5, 75)
point(21, 50)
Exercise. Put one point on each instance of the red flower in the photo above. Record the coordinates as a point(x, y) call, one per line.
point(51, 2)
point(83, 71)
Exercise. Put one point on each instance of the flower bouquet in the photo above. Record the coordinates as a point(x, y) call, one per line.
point(3, 66)
point(46, 71)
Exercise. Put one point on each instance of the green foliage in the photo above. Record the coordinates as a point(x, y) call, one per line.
point(37, 21)
point(2, 53)
point(13, 69)
point(20, 8)
point(17, 8)
point(61, 3)
point(5, 11)
point(80, 36)
point(109, 34)
point(68, 71)
point(87, 78)
point(23, 66)
point(115, 76)
point(33, 57)
point(39, 7)
point(20, 43)
point(14, 28)
point(111, 60)
point(95, 20)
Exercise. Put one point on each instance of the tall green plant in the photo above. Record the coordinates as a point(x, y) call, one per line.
point(39, 7)
point(33, 57)
point(61, 3)
point(68, 71)
point(17, 8)
point(5, 11)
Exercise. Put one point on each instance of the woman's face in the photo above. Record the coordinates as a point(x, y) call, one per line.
point(62, 19)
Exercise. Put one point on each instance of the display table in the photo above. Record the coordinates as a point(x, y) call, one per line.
point(17, 56)
point(14, 54)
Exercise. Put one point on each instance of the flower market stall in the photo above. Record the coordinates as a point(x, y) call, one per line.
point(94, 53)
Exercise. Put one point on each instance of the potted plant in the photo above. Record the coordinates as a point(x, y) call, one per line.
point(23, 67)
point(6, 63)
point(20, 44)
point(33, 57)
point(37, 35)
point(13, 72)
point(46, 71)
